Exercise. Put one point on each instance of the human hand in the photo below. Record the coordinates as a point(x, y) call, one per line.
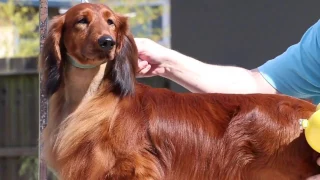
point(153, 58)
point(315, 177)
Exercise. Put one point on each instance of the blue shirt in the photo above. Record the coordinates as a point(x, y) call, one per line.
point(296, 72)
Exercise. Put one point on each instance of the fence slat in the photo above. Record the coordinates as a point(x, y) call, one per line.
point(18, 123)
point(24, 132)
point(3, 88)
point(12, 126)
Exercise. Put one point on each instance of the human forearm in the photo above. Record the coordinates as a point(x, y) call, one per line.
point(197, 76)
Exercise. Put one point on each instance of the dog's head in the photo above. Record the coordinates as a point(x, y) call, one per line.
point(89, 35)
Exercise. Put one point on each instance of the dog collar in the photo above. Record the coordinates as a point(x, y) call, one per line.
point(82, 66)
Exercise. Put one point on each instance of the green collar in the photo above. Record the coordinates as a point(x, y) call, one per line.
point(81, 66)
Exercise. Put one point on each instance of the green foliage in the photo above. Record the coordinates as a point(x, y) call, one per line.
point(29, 168)
point(25, 21)
point(144, 15)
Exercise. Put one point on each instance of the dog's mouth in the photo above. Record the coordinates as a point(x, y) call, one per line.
point(98, 56)
point(105, 56)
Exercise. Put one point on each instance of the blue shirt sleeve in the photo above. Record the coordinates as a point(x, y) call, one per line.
point(296, 72)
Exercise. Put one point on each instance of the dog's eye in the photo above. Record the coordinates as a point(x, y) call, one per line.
point(110, 22)
point(83, 21)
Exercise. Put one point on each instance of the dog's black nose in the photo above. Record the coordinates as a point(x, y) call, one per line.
point(106, 42)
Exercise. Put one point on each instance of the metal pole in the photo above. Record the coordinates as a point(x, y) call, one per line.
point(43, 108)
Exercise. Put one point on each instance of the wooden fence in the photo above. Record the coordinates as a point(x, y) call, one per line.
point(19, 117)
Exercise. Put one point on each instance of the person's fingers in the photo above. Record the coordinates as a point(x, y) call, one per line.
point(145, 70)
point(142, 64)
point(155, 71)
point(316, 177)
point(146, 47)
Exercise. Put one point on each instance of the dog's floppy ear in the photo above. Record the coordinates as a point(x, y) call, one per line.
point(50, 59)
point(122, 70)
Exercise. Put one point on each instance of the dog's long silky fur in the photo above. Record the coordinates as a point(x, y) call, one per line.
point(103, 124)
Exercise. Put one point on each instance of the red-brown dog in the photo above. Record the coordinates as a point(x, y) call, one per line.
point(103, 124)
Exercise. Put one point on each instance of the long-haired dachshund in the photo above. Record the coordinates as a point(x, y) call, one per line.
point(103, 124)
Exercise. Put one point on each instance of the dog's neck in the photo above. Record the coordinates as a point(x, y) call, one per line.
point(80, 84)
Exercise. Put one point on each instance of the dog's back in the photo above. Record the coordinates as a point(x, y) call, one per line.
point(162, 135)
point(220, 136)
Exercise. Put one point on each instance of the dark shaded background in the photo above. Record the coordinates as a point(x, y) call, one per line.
point(243, 33)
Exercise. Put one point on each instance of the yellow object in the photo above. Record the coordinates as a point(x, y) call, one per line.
point(312, 129)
